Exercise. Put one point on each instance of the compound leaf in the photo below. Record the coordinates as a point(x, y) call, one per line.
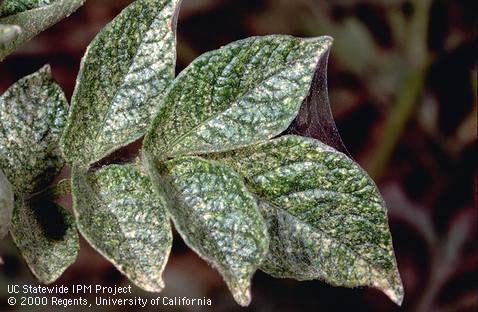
point(216, 216)
point(6, 205)
point(33, 16)
point(32, 117)
point(121, 216)
point(326, 217)
point(46, 236)
point(122, 77)
point(245, 92)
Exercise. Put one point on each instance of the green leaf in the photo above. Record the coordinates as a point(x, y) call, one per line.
point(8, 33)
point(6, 205)
point(216, 216)
point(325, 215)
point(122, 78)
point(33, 21)
point(9, 7)
point(46, 236)
point(121, 216)
point(32, 117)
point(248, 91)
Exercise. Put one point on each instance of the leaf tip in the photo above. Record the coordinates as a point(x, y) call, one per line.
point(328, 39)
point(155, 286)
point(392, 287)
point(240, 288)
point(43, 75)
point(45, 69)
point(327, 42)
point(396, 292)
point(241, 293)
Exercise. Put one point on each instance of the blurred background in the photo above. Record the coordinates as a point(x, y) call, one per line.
point(402, 81)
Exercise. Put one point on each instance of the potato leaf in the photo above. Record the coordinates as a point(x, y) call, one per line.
point(122, 78)
point(216, 216)
point(33, 16)
point(32, 117)
point(121, 216)
point(245, 92)
point(46, 236)
point(6, 205)
point(326, 217)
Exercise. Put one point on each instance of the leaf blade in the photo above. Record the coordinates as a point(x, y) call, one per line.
point(219, 220)
point(123, 73)
point(228, 98)
point(10, 7)
point(323, 211)
point(32, 117)
point(34, 21)
point(6, 205)
point(120, 215)
point(46, 236)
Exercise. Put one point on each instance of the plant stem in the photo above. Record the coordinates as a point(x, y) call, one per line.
point(419, 60)
point(396, 120)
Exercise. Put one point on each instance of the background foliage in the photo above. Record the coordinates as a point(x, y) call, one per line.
point(402, 83)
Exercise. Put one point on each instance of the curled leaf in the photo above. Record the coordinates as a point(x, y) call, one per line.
point(315, 117)
point(121, 216)
point(122, 78)
point(245, 92)
point(6, 205)
point(325, 216)
point(32, 117)
point(216, 216)
point(46, 236)
point(33, 16)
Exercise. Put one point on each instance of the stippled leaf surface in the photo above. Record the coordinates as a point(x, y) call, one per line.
point(122, 217)
point(326, 218)
point(216, 216)
point(9, 7)
point(122, 78)
point(6, 205)
point(33, 16)
point(46, 236)
point(32, 117)
point(245, 92)
point(8, 33)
